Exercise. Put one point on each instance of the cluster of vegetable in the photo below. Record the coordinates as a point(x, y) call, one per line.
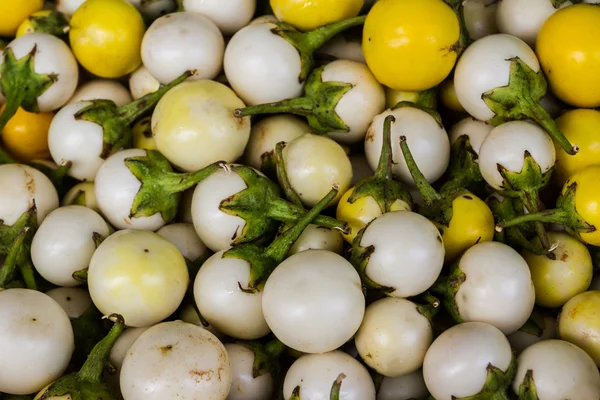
point(251, 200)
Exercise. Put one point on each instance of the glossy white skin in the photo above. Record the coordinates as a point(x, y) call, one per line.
point(68, 7)
point(123, 344)
point(406, 387)
point(141, 83)
point(22, 186)
point(189, 314)
point(244, 386)
point(214, 227)
point(480, 17)
point(476, 130)
point(316, 373)
point(342, 48)
point(116, 188)
point(360, 167)
point(155, 8)
point(524, 18)
point(36, 341)
point(229, 16)
point(176, 360)
point(506, 144)
point(193, 125)
point(183, 41)
point(262, 67)
point(408, 252)
point(139, 275)
point(428, 143)
point(64, 243)
point(319, 291)
point(75, 301)
point(394, 337)
point(223, 304)
point(561, 370)
point(498, 289)
point(76, 140)
point(53, 56)
point(87, 188)
point(314, 164)
point(104, 89)
point(478, 345)
point(185, 238)
point(318, 238)
point(520, 340)
point(359, 105)
point(267, 132)
point(485, 66)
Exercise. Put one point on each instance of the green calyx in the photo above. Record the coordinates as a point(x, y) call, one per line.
point(427, 305)
point(381, 186)
point(525, 185)
point(447, 287)
point(308, 42)
point(565, 214)
point(527, 389)
point(88, 330)
point(116, 121)
point(497, 383)
point(359, 258)
point(55, 23)
point(261, 206)
point(20, 84)
point(438, 205)
point(464, 39)
point(520, 100)
point(15, 244)
point(334, 394)
point(266, 357)
point(161, 187)
point(264, 260)
point(505, 209)
point(87, 384)
point(317, 105)
point(463, 170)
point(82, 274)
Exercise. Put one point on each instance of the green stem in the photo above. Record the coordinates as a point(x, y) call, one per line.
point(280, 247)
point(314, 40)
point(284, 211)
point(130, 112)
point(282, 176)
point(56, 23)
point(531, 201)
point(384, 168)
point(182, 182)
point(429, 194)
point(335, 389)
point(93, 367)
point(299, 106)
point(541, 116)
point(27, 273)
point(11, 106)
point(7, 271)
point(557, 216)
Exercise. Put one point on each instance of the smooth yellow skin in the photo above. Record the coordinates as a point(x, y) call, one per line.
point(449, 98)
point(142, 135)
point(361, 212)
point(106, 37)
point(14, 12)
point(557, 281)
point(138, 270)
point(587, 200)
point(307, 15)
point(472, 222)
point(27, 27)
point(569, 52)
point(25, 136)
point(393, 97)
point(408, 44)
point(581, 127)
point(579, 323)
